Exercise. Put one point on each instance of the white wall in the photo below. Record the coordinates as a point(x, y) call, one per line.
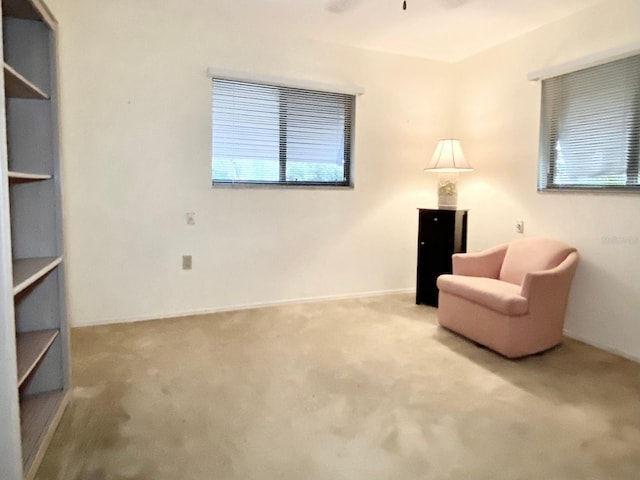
point(497, 118)
point(137, 146)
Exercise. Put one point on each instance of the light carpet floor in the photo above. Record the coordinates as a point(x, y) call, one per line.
point(353, 389)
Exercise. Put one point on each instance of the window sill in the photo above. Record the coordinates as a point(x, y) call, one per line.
point(614, 190)
point(279, 186)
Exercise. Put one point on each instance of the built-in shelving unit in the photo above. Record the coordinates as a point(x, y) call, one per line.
point(34, 339)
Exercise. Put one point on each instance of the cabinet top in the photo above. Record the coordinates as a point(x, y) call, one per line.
point(442, 210)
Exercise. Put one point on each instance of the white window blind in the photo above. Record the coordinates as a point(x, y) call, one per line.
point(590, 128)
point(269, 134)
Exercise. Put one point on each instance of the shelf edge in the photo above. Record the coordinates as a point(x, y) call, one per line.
point(34, 277)
point(33, 363)
point(36, 93)
point(27, 177)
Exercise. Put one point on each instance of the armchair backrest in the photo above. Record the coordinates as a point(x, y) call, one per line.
point(532, 255)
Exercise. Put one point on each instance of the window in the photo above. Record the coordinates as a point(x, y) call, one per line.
point(590, 128)
point(268, 134)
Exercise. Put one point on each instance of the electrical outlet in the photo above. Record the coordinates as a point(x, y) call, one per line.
point(186, 262)
point(519, 226)
point(190, 217)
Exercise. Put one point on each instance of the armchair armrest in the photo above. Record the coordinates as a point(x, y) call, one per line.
point(553, 284)
point(480, 264)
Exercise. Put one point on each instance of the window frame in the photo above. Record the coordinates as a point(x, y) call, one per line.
point(284, 85)
point(547, 159)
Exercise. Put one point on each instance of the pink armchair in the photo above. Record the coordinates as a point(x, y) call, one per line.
point(511, 298)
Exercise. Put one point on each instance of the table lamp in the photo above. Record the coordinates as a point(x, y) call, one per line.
point(447, 161)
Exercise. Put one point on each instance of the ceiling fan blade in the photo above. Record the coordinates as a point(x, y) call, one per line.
point(341, 6)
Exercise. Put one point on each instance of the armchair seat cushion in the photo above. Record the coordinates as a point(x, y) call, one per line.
point(503, 297)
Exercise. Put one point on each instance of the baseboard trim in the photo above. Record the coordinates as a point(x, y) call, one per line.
point(248, 306)
point(602, 346)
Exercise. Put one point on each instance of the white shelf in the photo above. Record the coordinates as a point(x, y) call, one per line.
point(27, 177)
point(31, 348)
point(39, 416)
point(17, 86)
point(27, 271)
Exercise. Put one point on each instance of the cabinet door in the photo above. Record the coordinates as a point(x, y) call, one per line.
point(435, 247)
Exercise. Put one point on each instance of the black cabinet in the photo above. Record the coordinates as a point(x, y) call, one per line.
point(441, 233)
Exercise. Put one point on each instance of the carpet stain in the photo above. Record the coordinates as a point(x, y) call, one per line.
point(353, 389)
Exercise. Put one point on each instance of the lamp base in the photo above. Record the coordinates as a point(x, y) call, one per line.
point(448, 190)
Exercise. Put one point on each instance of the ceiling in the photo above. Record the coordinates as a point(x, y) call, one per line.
point(446, 30)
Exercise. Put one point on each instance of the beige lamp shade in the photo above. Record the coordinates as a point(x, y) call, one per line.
point(449, 157)
point(447, 161)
